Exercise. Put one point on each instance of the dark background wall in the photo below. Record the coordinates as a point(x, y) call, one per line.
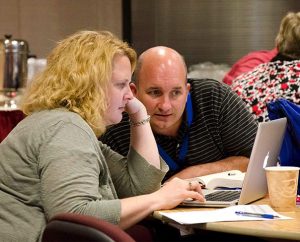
point(44, 22)
point(220, 31)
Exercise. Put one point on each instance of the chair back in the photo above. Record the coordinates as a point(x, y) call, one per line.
point(8, 120)
point(67, 227)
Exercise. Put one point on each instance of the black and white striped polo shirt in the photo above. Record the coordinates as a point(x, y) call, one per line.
point(222, 127)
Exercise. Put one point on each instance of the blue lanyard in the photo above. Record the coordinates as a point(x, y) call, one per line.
point(185, 143)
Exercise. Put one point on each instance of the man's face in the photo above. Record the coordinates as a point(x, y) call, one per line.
point(163, 91)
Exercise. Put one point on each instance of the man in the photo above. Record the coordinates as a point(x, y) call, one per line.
point(200, 126)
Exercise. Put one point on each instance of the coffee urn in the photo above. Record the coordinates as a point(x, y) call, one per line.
point(13, 69)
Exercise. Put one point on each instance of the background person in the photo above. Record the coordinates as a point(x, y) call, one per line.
point(279, 78)
point(248, 63)
point(52, 161)
point(201, 126)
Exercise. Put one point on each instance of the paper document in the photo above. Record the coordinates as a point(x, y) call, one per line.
point(225, 214)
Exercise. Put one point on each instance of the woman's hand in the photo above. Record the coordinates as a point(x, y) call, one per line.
point(174, 192)
point(167, 197)
point(134, 105)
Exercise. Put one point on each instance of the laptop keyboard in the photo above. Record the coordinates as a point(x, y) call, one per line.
point(223, 195)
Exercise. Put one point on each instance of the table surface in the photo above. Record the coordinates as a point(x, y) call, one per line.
point(279, 229)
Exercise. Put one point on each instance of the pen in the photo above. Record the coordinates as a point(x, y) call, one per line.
point(258, 215)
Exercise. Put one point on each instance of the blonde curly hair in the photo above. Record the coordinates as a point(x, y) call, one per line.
point(288, 37)
point(77, 75)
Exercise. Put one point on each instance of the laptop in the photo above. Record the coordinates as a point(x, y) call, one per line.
point(264, 153)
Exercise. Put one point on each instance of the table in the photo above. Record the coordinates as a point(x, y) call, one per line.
point(271, 229)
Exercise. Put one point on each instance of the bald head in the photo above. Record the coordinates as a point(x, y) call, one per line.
point(159, 61)
point(161, 85)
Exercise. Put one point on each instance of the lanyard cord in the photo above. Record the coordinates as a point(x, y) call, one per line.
point(185, 143)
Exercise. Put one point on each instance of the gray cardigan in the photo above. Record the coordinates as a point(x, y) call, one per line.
point(52, 162)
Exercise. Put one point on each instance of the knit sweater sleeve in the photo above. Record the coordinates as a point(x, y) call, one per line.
point(79, 175)
point(133, 175)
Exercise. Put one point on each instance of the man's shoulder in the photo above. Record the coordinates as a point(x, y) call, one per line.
point(206, 87)
point(118, 136)
point(201, 81)
point(204, 83)
point(121, 128)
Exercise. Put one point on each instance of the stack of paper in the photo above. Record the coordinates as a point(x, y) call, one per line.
point(232, 213)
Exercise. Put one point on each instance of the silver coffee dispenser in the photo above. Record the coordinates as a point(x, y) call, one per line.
point(13, 70)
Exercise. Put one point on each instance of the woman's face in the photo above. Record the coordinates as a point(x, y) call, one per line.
point(119, 92)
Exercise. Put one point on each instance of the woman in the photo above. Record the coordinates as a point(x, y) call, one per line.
point(278, 78)
point(52, 161)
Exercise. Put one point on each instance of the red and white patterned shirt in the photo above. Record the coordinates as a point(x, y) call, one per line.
point(268, 82)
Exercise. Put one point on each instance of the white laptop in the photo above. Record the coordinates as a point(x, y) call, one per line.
point(264, 153)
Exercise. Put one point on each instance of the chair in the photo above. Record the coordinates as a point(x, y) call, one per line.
point(8, 120)
point(66, 227)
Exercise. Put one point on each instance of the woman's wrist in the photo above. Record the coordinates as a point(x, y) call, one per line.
point(140, 122)
point(155, 201)
point(139, 118)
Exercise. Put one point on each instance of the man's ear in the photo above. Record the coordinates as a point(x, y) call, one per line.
point(188, 86)
point(133, 89)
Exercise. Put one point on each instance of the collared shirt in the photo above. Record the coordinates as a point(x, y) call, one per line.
point(221, 127)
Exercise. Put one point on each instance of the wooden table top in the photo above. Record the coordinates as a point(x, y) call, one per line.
point(279, 229)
